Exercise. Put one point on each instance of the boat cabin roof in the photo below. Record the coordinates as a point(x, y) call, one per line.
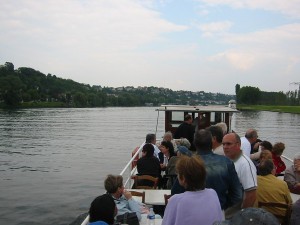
point(203, 116)
point(199, 108)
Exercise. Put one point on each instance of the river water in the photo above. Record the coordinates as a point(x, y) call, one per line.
point(53, 161)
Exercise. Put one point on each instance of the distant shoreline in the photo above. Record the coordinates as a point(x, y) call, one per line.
point(271, 108)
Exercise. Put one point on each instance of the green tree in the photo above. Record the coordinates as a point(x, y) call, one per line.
point(249, 95)
point(11, 90)
point(237, 89)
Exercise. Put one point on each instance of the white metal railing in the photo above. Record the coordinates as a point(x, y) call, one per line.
point(287, 158)
point(126, 173)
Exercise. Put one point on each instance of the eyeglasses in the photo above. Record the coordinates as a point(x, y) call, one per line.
point(229, 143)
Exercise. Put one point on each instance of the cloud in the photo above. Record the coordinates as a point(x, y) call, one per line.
point(209, 29)
point(252, 49)
point(104, 25)
point(289, 8)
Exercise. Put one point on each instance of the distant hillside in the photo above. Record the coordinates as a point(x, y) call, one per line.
point(28, 87)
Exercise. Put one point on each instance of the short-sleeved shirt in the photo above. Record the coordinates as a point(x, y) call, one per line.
point(246, 172)
point(245, 146)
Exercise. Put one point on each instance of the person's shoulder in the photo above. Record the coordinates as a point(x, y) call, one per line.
point(222, 158)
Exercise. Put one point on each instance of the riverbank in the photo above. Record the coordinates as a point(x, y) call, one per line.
point(271, 108)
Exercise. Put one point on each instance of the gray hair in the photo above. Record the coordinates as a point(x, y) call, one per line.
point(223, 126)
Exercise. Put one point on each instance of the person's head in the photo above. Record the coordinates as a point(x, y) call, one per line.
point(232, 145)
point(251, 216)
point(167, 148)
point(203, 140)
point(216, 133)
point(265, 154)
point(223, 126)
point(188, 119)
point(151, 138)
point(168, 136)
point(251, 135)
point(266, 167)
point(297, 162)
point(103, 208)
point(265, 145)
point(191, 173)
point(114, 185)
point(278, 148)
point(148, 150)
point(182, 150)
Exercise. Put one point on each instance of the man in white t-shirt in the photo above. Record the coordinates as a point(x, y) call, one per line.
point(244, 167)
point(249, 139)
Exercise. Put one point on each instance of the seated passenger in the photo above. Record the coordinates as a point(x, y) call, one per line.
point(168, 136)
point(198, 205)
point(276, 154)
point(123, 199)
point(270, 188)
point(171, 167)
point(264, 145)
point(148, 164)
point(102, 210)
point(292, 175)
point(167, 151)
point(151, 139)
point(264, 155)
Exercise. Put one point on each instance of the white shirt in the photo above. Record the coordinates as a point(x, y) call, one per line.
point(156, 151)
point(219, 150)
point(246, 172)
point(246, 146)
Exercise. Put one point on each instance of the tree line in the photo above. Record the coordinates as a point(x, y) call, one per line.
point(26, 85)
point(254, 96)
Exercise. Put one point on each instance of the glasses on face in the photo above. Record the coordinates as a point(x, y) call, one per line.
point(229, 143)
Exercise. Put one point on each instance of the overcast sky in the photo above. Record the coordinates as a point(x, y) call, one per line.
point(200, 45)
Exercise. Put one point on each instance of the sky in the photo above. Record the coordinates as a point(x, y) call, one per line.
point(191, 45)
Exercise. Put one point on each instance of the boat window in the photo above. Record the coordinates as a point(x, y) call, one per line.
point(212, 117)
point(177, 116)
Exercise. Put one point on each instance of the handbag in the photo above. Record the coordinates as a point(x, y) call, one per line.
point(129, 218)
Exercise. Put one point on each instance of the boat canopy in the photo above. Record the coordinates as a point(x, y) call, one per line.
point(203, 116)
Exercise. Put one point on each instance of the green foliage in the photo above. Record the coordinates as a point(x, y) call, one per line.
point(26, 87)
point(237, 88)
point(248, 95)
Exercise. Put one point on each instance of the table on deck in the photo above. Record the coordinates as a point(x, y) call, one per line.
point(153, 196)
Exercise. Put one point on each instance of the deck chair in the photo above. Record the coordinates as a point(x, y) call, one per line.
point(167, 198)
point(140, 180)
point(139, 194)
point(284, 220)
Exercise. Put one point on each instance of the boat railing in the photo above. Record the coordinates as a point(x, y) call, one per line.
point(128, 171)
point(287, 158)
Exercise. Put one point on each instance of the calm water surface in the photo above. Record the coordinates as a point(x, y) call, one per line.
point(53, 161)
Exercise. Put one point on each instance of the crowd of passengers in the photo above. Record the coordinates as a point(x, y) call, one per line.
point(215, 177)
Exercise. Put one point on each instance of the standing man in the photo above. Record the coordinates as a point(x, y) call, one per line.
point(247, 141)
point(244, 167)
point(186, 130)
point(220, 172)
